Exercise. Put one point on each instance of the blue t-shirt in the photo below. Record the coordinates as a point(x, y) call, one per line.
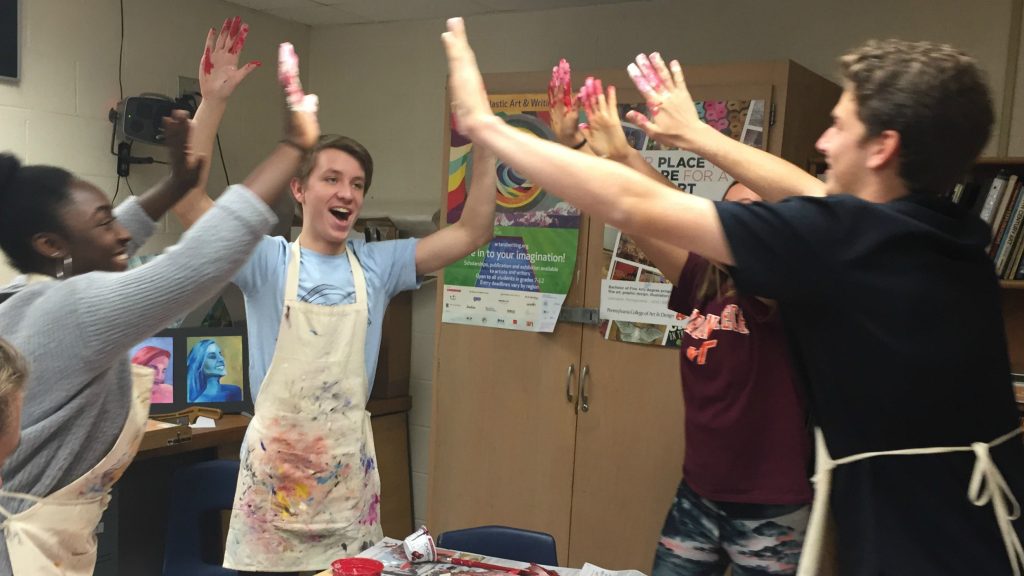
point(389, 268)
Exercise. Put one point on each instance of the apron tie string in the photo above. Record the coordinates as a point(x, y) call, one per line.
point(987, 485)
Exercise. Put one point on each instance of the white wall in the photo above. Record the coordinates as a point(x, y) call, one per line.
point(384, 85)
point(57, 113)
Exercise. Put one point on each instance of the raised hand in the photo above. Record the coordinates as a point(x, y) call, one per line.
point(469, 98)
point(301, 127)
point(603, 130)
point(674, 120)
point(219, 73)
point(185, 165)
point(562, 105)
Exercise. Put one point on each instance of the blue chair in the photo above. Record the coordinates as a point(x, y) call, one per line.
point(503, 542)
point(199, 493)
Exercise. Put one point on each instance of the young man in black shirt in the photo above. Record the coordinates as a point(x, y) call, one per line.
point(891, 302)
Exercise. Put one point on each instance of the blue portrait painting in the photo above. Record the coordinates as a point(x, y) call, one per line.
point(214, 368)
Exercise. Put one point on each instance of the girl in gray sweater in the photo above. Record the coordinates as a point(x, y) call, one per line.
point(76, 331)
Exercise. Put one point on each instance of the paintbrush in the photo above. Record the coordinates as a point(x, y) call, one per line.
point(477, 564)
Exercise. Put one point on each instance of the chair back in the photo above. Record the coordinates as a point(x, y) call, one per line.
point(503, 542)
point(199, 494)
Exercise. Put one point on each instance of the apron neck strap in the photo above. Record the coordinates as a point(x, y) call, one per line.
point(291, 283)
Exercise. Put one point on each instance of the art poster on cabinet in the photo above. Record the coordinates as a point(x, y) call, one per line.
point(634, 293)
point(520, 279)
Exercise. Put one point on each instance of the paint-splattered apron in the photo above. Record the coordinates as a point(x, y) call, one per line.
point(57, 535)
point(987, 485)
point(308, 490)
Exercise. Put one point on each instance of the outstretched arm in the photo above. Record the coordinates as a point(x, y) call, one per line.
point(631, 202)
point(476, 226)
point(119, 310)
point(675, 122)
point(302, 130)
point(607, 139)
point(219, 75)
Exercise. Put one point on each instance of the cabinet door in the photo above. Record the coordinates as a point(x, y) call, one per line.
point(629, 445)
point(503, 430)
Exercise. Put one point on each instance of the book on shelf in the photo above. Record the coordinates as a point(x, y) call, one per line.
point(1010, 270)
point(1011, 236)
point(994, 196)
point(1003, 215)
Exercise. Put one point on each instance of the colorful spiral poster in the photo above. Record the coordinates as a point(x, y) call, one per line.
point(519, 280)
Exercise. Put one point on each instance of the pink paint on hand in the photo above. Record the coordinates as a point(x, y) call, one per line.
point(584, 98)
point(638, 78)
point(288, 75)
point(236, 26)
point(207, 63)
point(561, 83)
point(648, 71)
point(239, 42)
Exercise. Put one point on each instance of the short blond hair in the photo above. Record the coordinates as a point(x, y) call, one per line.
point(13, 374)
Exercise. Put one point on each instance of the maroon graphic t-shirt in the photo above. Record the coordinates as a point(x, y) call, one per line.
point(746, 434)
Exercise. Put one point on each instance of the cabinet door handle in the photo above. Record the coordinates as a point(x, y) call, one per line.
point(584, 400)
point(568, 383)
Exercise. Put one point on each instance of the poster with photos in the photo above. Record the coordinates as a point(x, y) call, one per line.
point(634, 293)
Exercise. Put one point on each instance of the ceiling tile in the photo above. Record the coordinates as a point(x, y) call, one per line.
point(529, 5)
point(395, 10)
point(263, 5)
point(314, 14)
point(328, 12)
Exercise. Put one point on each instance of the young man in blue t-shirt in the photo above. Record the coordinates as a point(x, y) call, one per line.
point(308, 490)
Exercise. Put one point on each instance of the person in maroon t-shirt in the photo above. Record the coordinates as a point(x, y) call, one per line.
point(745, 494)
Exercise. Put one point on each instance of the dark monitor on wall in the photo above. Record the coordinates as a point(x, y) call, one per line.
point(9, 40)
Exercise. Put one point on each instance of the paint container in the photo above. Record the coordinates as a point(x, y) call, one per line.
point(419, 546)
point(357, 567)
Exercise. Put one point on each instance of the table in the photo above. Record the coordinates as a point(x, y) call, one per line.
point(389, 551)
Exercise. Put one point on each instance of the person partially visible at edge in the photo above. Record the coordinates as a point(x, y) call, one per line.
point(744, 499)
point(314, 310)
point(77, 313)
point(889, 298)
point(13, 373)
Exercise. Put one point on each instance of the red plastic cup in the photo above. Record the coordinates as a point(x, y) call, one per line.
point(356, 567)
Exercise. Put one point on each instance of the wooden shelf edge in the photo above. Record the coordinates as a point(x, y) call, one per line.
point(1012, 284)
point(997, 160)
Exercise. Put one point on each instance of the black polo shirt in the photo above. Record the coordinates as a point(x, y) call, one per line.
point(894, 314)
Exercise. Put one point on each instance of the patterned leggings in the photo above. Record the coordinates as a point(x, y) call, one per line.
point(701, 537)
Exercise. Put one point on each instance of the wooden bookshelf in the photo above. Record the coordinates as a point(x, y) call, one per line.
point(1001, 161)
point(1012, 284)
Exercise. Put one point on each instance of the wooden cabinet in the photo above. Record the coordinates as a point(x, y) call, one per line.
point(512, 444)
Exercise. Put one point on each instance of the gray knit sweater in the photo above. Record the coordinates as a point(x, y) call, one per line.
point(76, 335)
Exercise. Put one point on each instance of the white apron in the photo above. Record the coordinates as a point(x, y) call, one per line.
point(308, 489)
point(987, 485)
point(57, 535)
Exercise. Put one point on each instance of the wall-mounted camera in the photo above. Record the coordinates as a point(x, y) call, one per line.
point(140, 119)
